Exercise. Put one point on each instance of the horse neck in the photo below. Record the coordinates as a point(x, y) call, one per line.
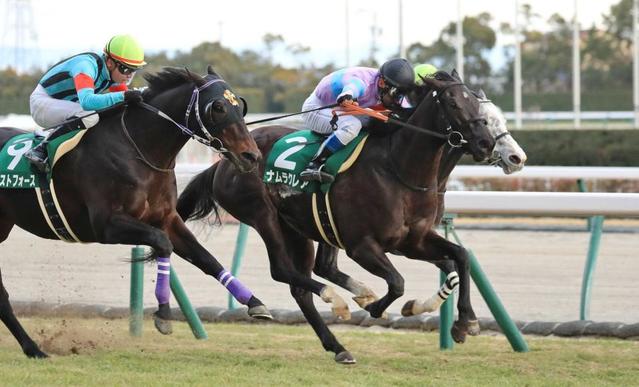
point(450, 158)
point(158, 139)
point(416, 156)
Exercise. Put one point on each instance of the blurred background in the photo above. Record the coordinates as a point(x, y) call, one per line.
point(560, 65)
point(565, 73)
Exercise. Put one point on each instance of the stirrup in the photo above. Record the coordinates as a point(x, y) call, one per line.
point(311, 174)
point(38, 159)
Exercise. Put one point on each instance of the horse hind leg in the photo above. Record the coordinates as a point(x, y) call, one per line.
point(304, 300)
point(29, 347)
point(326, 267)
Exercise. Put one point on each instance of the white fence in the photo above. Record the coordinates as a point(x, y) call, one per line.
point(527, 203)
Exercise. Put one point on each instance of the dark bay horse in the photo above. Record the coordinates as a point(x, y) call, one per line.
point(507, 154)
point(373, 207)
point(118, 185)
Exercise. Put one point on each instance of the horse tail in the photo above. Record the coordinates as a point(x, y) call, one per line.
point(196, 201)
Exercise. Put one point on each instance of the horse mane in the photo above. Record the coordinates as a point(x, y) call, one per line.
point(169, 78)
point(444, 76)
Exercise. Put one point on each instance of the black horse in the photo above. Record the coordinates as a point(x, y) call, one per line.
point(118, 185)
point(374, 207)
point(505, 155)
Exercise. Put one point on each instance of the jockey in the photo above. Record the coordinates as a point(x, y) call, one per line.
point(363, 86)
point(73, 89)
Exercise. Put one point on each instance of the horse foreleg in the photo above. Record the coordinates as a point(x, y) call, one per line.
point(415, 307)
point(326, 267)
point(436, 249)
point(187, 247)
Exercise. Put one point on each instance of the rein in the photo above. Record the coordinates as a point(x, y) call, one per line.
point(292, 114)
point(211, 141)
point(454, 138)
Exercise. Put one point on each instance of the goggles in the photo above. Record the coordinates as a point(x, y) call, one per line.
point(124, 69)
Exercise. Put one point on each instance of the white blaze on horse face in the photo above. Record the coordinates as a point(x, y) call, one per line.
point(510, 155)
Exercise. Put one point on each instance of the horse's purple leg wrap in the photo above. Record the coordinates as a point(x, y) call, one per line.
point(162, 288)
point(237, 289)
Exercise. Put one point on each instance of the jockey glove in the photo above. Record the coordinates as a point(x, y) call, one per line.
point(345, 99)
point(133, 97)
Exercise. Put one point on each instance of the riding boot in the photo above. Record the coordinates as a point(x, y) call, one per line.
point(38, 155)
point(313, 171)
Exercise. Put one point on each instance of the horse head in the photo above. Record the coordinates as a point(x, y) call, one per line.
point(222, 121)
point(460, 109)
point(205, 109)
point(507, 153)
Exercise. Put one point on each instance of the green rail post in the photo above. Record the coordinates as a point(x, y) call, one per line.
point(240, 247)
point(502, 317)
point(185, 305)
point(489, 295)
point(589, 269)
point(136, 304)
point(446, 310)
point(582, 188)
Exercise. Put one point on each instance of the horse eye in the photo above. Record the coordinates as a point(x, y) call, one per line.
point(219, 107)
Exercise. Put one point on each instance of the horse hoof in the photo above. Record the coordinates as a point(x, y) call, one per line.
point(345, 358)
point(407, 309)
point(260, 312)
point(35, 353)
point(458, 333)
point(163, 326)
point(375, 313)
point(473, 327)
point(342, 313)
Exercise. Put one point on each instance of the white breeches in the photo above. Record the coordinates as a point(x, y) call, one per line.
point(319, 121)
point(49, 112)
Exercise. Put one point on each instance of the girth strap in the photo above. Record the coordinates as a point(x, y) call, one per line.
point(51, 210)
point(324, 220)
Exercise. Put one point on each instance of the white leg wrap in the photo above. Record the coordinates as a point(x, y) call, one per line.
point(437, 299)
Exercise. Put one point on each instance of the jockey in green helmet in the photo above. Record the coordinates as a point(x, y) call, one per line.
point(70, 92)
point(424, 70)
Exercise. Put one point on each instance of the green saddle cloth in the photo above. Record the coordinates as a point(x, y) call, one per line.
point(16, 170)
point(292, 153)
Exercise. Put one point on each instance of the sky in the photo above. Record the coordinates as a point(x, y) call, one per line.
point(63, 27)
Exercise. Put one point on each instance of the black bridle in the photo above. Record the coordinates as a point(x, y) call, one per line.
point(210, 141)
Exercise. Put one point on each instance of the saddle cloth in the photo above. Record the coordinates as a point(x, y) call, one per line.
point(291, 154)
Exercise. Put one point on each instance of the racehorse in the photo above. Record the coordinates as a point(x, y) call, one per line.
point(118, 186)
point(507, 154)
point(372, 206)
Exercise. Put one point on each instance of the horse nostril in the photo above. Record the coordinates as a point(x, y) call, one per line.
point(514, 159)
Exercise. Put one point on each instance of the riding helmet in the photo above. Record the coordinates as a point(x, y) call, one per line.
point(126, 50)
point(398, 73)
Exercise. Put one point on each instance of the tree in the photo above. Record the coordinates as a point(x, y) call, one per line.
point(480, 38)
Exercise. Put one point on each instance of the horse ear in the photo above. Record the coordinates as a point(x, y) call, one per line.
point(198, 80)
point(455, 75)
point(210, 71)
point(244, 106)
point(481, 94)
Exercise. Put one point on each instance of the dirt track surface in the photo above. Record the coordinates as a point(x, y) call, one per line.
point(536, 274)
